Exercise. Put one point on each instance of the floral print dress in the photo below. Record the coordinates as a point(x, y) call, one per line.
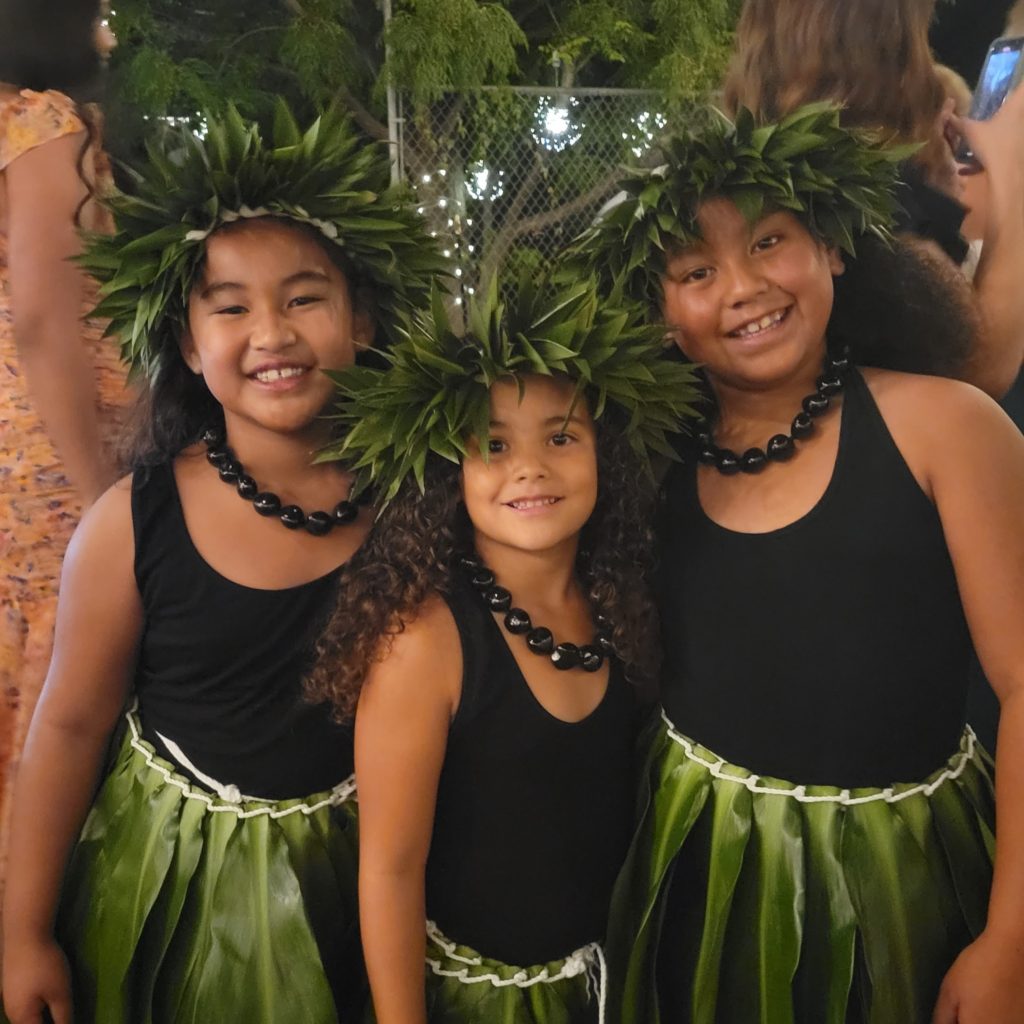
point(38, 508)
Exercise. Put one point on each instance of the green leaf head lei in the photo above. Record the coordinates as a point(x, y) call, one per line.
point(840, 182)
point(327, 177)
point(435, 394)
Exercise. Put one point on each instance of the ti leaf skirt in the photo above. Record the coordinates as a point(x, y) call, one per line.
point(180, 907)
point(749, 900)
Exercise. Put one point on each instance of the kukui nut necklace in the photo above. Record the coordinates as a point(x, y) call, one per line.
point(539, 639)
point(231, 471)
point(781, 447)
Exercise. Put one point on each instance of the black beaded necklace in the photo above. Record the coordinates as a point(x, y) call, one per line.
point(266, 503)
point(539, 639)
point(780, 447)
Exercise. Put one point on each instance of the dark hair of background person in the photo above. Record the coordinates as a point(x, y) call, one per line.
point(49, 44)
point(412, 552)
point(872, 56)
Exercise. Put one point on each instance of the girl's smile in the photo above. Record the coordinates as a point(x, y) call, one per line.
point(280, 376)
point(530, 506)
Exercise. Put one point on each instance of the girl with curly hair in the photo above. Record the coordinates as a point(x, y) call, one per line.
point(494, 631)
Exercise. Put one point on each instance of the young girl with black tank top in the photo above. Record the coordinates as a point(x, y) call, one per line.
point(495, 728)
point(819, 827)
point(215, 876)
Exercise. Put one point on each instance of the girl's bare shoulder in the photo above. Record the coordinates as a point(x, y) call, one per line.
point(921, 403)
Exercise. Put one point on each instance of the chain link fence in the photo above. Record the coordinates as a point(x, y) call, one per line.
point(507, 177)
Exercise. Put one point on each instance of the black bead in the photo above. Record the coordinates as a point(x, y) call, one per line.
point(829, 384)
point(498, 599)
point(517, 621)
point(708, 455)
point(345, 512)
point(319, 523)
point(591, 658)
point(601, 621)
point(469, 564)
point(540, 640)
point(212, 437)
point(753, 460)
point(839, 363)
point(218, 456)
point(815, 405)
point(292, 516)
point(482, 579)
point(230, 471)
point(247, 487)
point(802, 425)
point(780, 447)
point(604, 641)
point(727, 461)
point(565, 656)
point(267, 503)
point(704, 438)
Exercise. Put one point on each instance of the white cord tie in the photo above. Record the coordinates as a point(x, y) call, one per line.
point(230, 795)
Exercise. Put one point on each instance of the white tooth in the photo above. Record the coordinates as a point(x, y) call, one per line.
point(766, 321)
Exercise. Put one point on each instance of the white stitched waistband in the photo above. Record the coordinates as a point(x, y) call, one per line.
point(753, 782)
point(588, 959)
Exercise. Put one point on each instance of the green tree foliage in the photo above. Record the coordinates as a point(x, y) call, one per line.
point(177, 56)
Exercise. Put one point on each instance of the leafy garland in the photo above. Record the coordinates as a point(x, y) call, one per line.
point(327, 177)
point(435, 395)
point(840, 182)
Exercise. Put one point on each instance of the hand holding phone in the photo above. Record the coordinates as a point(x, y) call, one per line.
point(1000, 74)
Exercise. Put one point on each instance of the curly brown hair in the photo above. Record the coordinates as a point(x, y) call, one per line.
point(413, 551)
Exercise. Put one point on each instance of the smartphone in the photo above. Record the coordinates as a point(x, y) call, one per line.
point(1000, 74)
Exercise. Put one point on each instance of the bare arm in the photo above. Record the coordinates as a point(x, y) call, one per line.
point(43, 193)
point(999, 351)
point(401, 733)
point(99, 620)
point(974, 459)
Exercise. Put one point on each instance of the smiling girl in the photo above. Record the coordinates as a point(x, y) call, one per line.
point(819, 836)
point(500, 615)
point(214, 878)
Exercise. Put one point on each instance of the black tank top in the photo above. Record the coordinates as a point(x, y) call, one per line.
point(220, 664)
point(833, 650)
point(533, 813)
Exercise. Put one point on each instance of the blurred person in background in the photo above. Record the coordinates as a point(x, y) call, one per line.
point(1015, 20)
point(60, 383)
point(873, 57)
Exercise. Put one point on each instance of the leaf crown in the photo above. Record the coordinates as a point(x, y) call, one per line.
point(839, 182)
point(434, 397)
point(326, 176)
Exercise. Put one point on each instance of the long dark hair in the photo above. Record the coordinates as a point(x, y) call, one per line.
point(413, 549)
point(49, 44)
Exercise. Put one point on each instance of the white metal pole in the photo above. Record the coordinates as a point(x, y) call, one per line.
point(394, 140)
